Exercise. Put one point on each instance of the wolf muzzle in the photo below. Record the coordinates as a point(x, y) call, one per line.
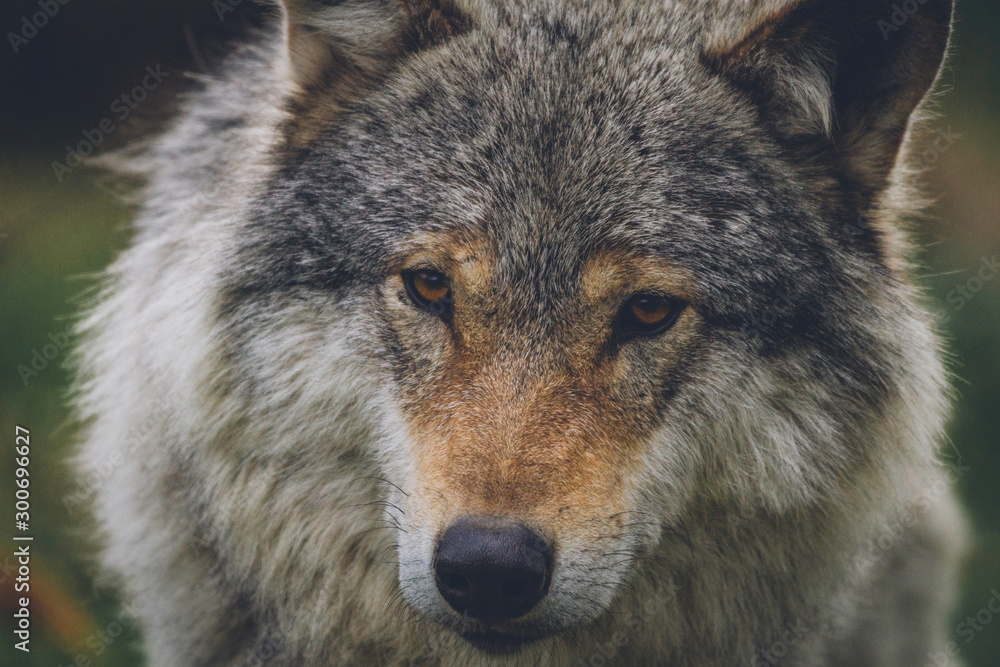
point(492, 569)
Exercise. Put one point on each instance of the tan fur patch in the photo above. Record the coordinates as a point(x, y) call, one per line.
point(467, 261)
point(611, 276)
point(547, 444)
point(493, 446)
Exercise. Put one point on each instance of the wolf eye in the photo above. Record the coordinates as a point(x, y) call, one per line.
point(649, 314)
point(429, 290)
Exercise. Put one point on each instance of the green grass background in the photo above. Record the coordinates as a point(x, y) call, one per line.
point(54, 236)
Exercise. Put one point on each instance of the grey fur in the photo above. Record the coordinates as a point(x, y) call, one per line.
point(791, 477)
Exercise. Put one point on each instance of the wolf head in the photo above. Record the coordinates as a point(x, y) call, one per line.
point(569, 275)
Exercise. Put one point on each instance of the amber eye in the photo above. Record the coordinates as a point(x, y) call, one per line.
point(649, 314)
point(429, 290)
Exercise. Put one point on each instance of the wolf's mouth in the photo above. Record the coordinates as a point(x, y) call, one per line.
point(499, 643)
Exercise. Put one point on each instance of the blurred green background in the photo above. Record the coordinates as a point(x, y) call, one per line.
point(54, 235)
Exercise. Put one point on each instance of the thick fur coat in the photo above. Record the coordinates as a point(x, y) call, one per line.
point(281, 431)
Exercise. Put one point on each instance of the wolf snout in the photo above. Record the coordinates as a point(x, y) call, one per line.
point(492, 569)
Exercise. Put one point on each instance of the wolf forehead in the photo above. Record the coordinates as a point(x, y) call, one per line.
point(549, 139)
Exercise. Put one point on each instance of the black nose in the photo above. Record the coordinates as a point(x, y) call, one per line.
point(491, 569)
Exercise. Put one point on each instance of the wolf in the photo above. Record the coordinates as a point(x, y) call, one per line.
point(563, 332)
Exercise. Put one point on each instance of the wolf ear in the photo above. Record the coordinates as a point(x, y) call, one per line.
point(331, 40)
point(839, 79)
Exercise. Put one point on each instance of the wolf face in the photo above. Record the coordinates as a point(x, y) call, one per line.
point(575, 281)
